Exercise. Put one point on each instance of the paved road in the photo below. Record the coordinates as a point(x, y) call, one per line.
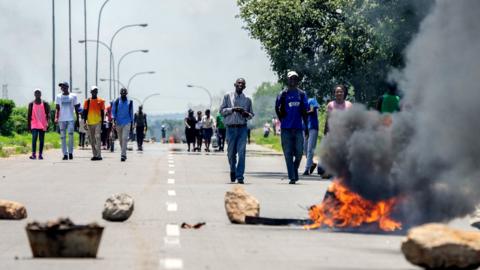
point(150, 239)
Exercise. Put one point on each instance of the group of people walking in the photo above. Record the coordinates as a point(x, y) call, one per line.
point(97, 120)
point(200, 129)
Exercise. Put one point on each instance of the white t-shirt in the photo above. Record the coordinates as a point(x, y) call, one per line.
point(67, 104)
point(207, 122)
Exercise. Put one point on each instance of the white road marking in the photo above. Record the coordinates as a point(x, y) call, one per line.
point(172, 230)
point(171, 166)
point(171, 172)
point(172, 263)
point(172, 193)
point(173, 241)
point(171, 181)
point(170, 161)
point(172, 207)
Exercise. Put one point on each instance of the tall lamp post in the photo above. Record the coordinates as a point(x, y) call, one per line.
point(112, 67)
point(106, 46)
point(205, 89)
point(98, 37)
point(123, 56)
point(53, 50)
point(85, 37)
point(137, 74)
point(112, 80)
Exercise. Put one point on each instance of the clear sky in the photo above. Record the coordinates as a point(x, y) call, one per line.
point(190, 41)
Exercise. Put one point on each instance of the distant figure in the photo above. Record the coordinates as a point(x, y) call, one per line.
point(94, 114)
point(339, 104)
point(190, 133)
point(107, 127)
point(222, 132)
point(236, 109)
point(291, 108)
point(207, 125)
point(310, 142)
point(66, 104)
point(199, 132)
point(141, 127)
point(122, 113)
point(164, 134)
point(390, 101)
point(82, 132)
point(37, 122)
point(274, 122)
point(266, 130)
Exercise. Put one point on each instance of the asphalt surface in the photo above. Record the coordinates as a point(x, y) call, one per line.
point(171, 186)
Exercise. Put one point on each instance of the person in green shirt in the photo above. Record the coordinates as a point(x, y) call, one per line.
point(390, 101)
point(222, 131)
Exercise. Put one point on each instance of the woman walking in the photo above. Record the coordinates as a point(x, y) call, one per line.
point(207, 124)
point(199, 132)
point(190, 123)
point(37, 119)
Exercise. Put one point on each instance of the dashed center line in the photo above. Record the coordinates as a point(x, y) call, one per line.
point(171, 166)
point(170, 161)
point(172, 230)
point(171, 172)
point(172, 263)
point(172, 193)
point(172, 207)
point(171, 181)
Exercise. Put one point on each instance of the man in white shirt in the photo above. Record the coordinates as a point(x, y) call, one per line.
point(66, 104)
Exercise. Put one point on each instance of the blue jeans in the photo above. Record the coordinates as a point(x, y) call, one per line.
point(237, 144)
point(67, 126)
point(310, 144)
point(292, 145)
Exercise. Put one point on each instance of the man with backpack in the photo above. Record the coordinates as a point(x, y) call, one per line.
point(122, 114)
point(37, 119)
point(291, 108)
point(140, 121)
point(94, 114)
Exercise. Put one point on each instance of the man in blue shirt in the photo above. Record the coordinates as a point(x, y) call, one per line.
point(310, 142)
point(122, 114)
point(291, 108)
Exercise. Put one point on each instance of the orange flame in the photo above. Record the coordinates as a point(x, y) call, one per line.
point(344, 208)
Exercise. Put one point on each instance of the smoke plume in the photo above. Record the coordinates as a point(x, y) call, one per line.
point(430, 154)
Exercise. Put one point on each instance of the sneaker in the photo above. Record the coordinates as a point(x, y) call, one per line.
point(312, 168)
point(306, 172)
point(70, 156)
point(292, 182)
point(123, 159)
point(65, 157)
point(33, 156)
point(240, 181)
point(40, 157)
point(232, 177)
point(99, 158)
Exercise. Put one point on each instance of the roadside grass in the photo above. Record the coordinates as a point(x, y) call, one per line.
point(21, 143)
point(272, 142)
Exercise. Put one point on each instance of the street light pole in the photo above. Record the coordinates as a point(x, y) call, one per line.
point(85, 37)
point(53, 50)
point(112, 67)
point(115, 81)
point(98, 37)
point(205, 89)
point(70, 39)
point(121, 59)
point(103, 44)
point(137, 74)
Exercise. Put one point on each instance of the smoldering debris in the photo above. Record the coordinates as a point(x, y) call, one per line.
point(430, 153)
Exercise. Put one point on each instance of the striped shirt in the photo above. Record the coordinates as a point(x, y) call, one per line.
point(234, 100)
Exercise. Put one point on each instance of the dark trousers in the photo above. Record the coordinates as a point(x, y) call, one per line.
point(222, 132)
point(140, 136)
point(292, 145)
point(40, 134)
point(81, 139)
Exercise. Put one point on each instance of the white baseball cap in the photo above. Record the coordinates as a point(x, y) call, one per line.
point(291, 74)
point(94, 87)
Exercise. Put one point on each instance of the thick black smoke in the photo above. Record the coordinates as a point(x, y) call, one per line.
point(431, 153)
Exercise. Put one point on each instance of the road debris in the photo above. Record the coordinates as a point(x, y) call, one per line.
point(118, 207)
point(12, 210)
point(195, 226)
point(238, 204)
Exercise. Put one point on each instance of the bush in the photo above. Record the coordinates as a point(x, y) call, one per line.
point(6, 109)
point(19, 119)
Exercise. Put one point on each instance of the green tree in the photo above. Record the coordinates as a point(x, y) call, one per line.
point(357, 42)
point(6, 109)
point(19, 120)
point(264, 103)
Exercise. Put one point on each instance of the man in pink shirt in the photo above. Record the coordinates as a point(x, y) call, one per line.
point(37, 119)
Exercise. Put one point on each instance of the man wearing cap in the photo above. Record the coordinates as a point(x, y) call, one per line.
point(236, 109)
point(291, 108)
point(122, 114)
point(94, 114)
point(66, 103)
